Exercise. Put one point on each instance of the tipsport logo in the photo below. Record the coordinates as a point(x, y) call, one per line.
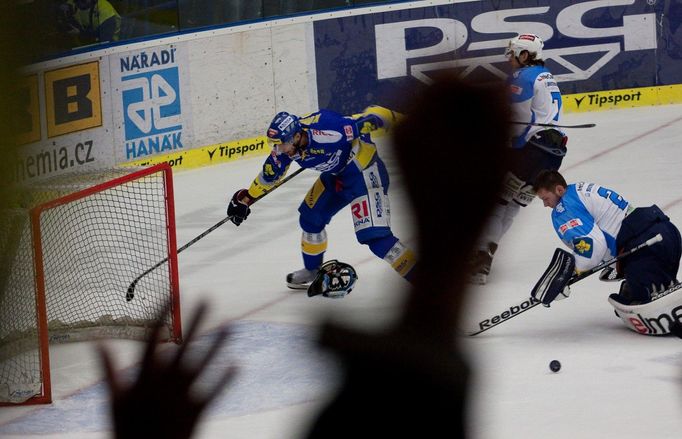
point(472, 41)
point(152, 110)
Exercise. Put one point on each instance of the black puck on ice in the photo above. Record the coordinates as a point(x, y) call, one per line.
point(554, 366)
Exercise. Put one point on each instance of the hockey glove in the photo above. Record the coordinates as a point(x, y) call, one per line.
point(368, 123)
point(553, 284)
point(238, 210)
point(610, 274)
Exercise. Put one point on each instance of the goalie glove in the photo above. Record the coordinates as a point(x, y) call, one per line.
point(368, 123)
point(334, 280)
point(610, 274)
point(238, 210)
point(553, 284)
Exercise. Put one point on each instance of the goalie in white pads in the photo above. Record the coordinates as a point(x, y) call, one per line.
point(597, 224)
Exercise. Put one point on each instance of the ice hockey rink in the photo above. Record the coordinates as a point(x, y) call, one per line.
point(613, 383)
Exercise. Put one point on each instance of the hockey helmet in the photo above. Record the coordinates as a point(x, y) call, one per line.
point(529, 42)
point(283, 128)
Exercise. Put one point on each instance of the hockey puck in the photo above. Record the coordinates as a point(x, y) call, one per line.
point(554, 366)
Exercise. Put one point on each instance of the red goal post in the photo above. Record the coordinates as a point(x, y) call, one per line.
point(72, 262)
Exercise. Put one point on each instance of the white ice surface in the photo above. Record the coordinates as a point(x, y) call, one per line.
point(614, 383)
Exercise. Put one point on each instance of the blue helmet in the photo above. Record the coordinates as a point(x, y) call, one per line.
point(283, 128)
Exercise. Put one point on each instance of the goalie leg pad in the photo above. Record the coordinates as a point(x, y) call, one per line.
point(555, 279)
point(655, 317)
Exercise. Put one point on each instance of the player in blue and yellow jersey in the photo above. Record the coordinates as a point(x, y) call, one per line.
point(341, 149)
point(535, 99)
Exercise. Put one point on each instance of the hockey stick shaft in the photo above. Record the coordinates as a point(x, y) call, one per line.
point(531, 302)
point(549, 125)
point(591, 271)
point(130, 294)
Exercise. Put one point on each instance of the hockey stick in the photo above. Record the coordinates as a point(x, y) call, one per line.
point(532, 302)
point(549, 125)
point(130, 293)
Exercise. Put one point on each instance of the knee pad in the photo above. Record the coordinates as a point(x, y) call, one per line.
point(381, 246)
point(516, 190)
point(510, 186)
point(310, 226)
point(525, 195)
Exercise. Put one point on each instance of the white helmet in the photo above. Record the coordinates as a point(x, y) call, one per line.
point(530, 42)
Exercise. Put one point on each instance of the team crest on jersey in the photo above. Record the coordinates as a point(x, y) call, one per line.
point(516, 89)
point(583, 246)
point(570, 224)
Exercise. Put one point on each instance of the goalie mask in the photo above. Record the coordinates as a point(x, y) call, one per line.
point(334, 280)
point(528, 42)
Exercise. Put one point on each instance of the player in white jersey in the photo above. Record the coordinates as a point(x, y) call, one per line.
point(597, 224)
point(535, 99)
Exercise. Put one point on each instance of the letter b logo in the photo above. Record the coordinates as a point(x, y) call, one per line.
point(72, 98)
point(71, 102)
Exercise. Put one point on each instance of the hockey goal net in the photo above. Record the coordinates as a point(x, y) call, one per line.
point(66, 266)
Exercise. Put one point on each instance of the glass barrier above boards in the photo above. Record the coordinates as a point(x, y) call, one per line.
point(66, 26)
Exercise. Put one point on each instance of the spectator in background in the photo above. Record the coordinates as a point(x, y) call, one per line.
point(411, 380)
point(90, 21)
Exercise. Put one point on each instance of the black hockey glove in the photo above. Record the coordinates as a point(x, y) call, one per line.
point(238, 210)
point(610, 274)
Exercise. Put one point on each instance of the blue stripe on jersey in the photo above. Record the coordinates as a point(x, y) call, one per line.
point(611, 243)
point(522, 83)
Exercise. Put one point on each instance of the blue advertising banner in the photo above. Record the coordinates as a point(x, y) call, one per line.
point(593, 45)
point(152, 101)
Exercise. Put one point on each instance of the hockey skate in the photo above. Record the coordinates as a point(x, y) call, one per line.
point(301, 279)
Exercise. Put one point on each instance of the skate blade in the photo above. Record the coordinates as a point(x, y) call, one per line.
point(298, 286)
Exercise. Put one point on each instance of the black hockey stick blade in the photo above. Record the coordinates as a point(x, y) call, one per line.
point(549, 125)
point(130, 293)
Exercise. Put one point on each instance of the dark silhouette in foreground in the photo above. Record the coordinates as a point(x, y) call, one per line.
point(411, 380)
